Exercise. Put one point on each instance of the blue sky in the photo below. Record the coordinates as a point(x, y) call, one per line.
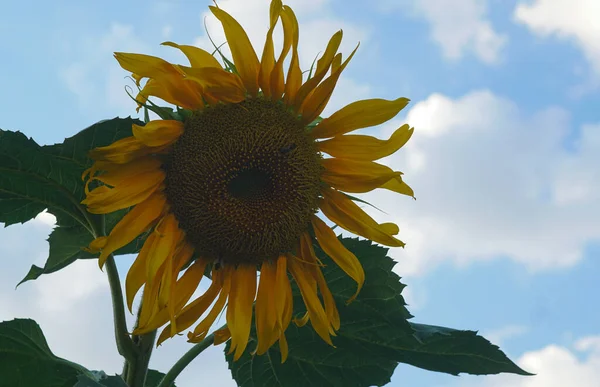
point(503, 237)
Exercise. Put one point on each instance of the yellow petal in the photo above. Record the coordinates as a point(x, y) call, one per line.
point(154, 88)
point(367, 148)
point(355, 176)
point(294, 76)
point(345, 213)
point(117, 176)
point(265, 311)
point(121, 151)
point(317, 315)
point(197, 56)
point(332, 246)
point(149, 306)
point(201, 329)
point(283, 290)
point(336, 63)
point(323, 65)
point(158, 132)
point(277, 75)
point(317, 100)
point(184, 289)
point(134, 223)
point(244, 56)
point(239, 310)
point(168, 235)
point(397, 185)
point(222, 335)
point(96, 245)
point(357, 115)
point(307, 252)
point(136, 276)
point(268, 56)
point(283, 347)
point(164, 73)
point(104, 200)
point(192, 312)
point(220, 84)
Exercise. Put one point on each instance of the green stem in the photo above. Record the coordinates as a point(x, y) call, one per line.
point(124, 342)
point(138, 369)
point(186, 359)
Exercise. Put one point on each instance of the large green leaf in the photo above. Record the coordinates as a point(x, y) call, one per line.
point(33, 178)
point(455, 351)
point(26, 359)
point(378, 311)
point(374, 336)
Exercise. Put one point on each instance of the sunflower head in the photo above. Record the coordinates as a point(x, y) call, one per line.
point(235, 185)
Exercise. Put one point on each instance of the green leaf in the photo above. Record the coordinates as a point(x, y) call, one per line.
point(26, 359)
point(378, 310)
point(455, 351)
point(35, 177)
point(153, 377)
point(374, 336)
point(65, 247)
point(32, 180)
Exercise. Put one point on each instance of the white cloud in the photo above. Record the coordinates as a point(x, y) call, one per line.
point(458, 26)
point(492, 182)
point(574, 20)
point(554, 366)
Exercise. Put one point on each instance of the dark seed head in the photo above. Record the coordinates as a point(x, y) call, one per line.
point(243, 181)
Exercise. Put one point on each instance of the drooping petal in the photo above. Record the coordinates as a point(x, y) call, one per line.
point(268, 56)
point(117, 176)
point(346, 214)
point(134, 223)
point(308, 254)
point(239, 310)
point(266, 315)
point(294, 76)
point(197, 56)
point(398, 185)
point(158, 132)
point(136, 276)
point(222, 335)
point(332, 246)
point(357, 115)
point(168, 236)
point(201, 329)
point(196, 308)
point(315, 103)
point(355, 176)
point(283, 290)
point(317, 315)
point(323, 65)
point(367, 148)
point(242, 52)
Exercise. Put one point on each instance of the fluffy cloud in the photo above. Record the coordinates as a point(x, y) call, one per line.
point(554, 366)
point(458, 26)
point(566, 19)
point(492, 181)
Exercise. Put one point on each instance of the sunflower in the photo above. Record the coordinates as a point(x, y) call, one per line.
point(234, 187)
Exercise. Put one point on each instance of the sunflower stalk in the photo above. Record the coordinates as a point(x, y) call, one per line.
point(186, 359)
point(123, 340)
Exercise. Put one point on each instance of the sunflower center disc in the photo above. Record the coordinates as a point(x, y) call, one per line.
point(243, 181)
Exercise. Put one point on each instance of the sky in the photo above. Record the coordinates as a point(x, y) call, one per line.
point(505, 99)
